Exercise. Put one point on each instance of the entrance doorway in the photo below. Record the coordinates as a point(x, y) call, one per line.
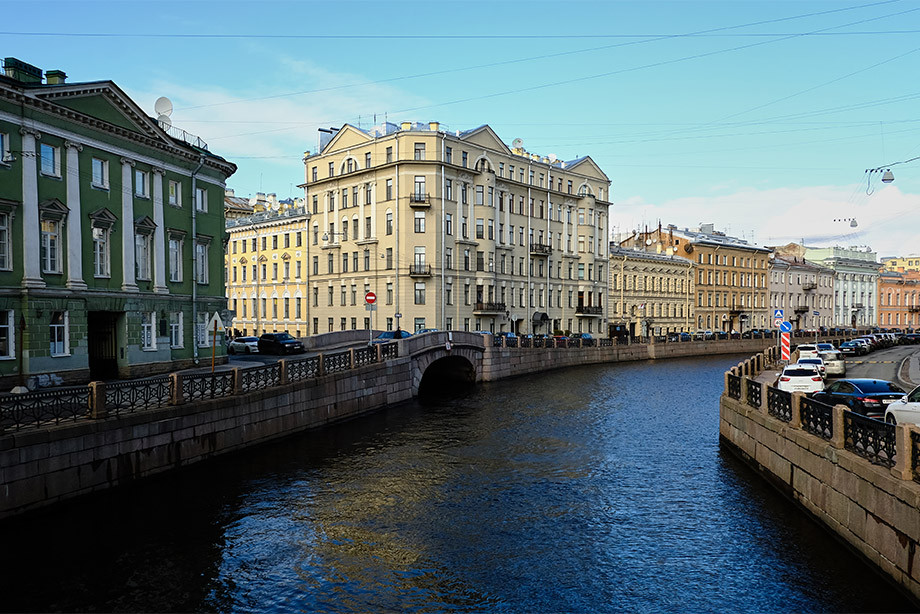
point(103, 344)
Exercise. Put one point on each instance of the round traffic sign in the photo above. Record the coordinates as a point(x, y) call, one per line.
point(370, 298)
point(785, 327)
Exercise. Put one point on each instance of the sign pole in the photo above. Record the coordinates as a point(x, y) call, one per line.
point(213, 346)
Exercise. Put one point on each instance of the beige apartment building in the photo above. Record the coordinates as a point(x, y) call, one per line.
point(453, 230)
point(731, 275)
point(802, 290)
point(650, 293)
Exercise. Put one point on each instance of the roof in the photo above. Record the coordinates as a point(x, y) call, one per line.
point(715, 238)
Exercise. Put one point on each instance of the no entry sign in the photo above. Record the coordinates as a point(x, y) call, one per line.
point(370, 298)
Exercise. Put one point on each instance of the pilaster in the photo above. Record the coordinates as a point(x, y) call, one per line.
point(128, 283)
point(75, 279)
point(31, 258)
point(159, 239)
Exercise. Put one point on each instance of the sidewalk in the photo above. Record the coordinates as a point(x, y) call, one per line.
point(909, 370)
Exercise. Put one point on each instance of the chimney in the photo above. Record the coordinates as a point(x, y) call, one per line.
point(22, 72)
point(434, 126)
point(229, 192)
point(405, 126)
point(55, 77)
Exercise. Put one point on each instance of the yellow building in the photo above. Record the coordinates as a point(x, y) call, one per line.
point(453, 230)
point(650, 293)
point(266, 268)
point(732, 281)
point(901, 264)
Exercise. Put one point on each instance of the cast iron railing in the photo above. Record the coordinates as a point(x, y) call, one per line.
point(817, 417)
point(779, 404)
point(335, 363)
point(365, 356)
point(754, 393)
point(389, 351)
point(306, 368)
point(207, 386)
point(260, 378)
point(43, 407)
point(734, 387)
point(132, 395)
point(915, 455)
point(872, 439)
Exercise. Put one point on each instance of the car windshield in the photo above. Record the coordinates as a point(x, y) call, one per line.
point(810, 361)
point(246, 339)
point(799, 372)
point(390, 334)
point(284, 337)
point(879, 386)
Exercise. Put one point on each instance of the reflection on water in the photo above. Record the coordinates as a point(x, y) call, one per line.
point(584, 490)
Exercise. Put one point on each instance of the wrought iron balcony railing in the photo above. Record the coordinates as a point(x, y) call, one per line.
point(589, 310)
point(540, 249)
point(489, 307)
point(420, 270)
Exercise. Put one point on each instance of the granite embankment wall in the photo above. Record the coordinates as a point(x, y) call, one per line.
point(873, 508)
point(41, 466)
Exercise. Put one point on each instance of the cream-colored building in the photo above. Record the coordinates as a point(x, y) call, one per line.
point(453, 230)
point(650, 293)
point(802, 290)
point(266, 268)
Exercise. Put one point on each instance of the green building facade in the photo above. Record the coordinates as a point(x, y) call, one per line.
point(111, 235)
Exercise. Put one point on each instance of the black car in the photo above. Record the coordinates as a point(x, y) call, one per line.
point(868, 397)
point(280, 343)
point(852, 348)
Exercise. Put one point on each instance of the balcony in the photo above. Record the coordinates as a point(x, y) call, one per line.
point(914, 308)
point(809, 285)
point(488, 308)
point(589, 311)
point(540, 249)
point(419, 200)
point(419, 270)
point(801, 309)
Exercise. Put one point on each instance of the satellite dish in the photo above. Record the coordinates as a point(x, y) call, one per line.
point(688, 248)
point(163, 106)
point(648, 241)
point(552, 158)
point(517, 144)
point(164, 120)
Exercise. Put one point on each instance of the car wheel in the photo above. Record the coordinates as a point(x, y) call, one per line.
point(230, 350)
point(890, 419)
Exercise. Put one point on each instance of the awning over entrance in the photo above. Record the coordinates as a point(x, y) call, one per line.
point(539, 317)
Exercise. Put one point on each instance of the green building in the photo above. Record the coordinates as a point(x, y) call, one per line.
point(111, 234)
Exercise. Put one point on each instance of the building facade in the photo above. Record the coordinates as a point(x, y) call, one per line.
point(901, 263)
point(267, 270)
point(804, 291)
point(731, 281)
point(899, 299)
point(453, 230)
point(650, 293)
point(856, 272)
point(111, 234)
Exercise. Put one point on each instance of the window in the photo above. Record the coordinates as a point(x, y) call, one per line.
point(479, 195)
point(480, 228)
point(201, 327)
point(420, 293)
point(176, 334)
point(419, 221)
point(389, 189)
point(332, 169)
point(51, 245)
point(419, 194)
point(142, 244)
point(448, 189)
point(6, 262)
point(175, 193)
point(367, 160)
point(314, 173)
point(201, 260)
point(141, 183)
point(5, 158)
point(101, 252)
point(389, 154)
point(389, 222)
point(6, 333)
point(389, 294)
point(59, 333)
point(449, 223)
point(201, 199)
point(50, 160)
point(419, 151)
point(367, 227)
point(464, 159)
point(100, 173)
point(448, 155)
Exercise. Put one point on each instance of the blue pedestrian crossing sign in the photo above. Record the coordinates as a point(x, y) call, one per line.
point(778, 313)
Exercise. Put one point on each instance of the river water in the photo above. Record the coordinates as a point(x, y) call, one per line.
point(593, 489)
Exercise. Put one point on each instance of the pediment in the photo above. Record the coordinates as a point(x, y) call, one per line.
point(53, 208)
point(285, 256)
point(102, 218)
point(144, 224)
point(484, 136)
point(588, 167)
point(347, 136)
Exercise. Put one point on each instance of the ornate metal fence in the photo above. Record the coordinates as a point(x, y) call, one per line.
point(335, 363)
point(779, 404)
point(754, 393)
point(734, 386)
point(539, 342)
point(497, 341)
point(605, 342)
point(365, 356)
point(871, 439)
point(207, 386)
point(389, 351)
point(915, 455)
point(261, 377)
point(43, 407)
point(526, 342)
point(132, 395)
point(817, 417)
point(511, 342)
point(307, 368)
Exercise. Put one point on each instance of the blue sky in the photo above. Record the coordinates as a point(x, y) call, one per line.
point(761, 117)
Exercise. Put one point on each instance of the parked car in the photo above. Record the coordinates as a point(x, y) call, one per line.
point(426, 330)
point(834, 363)
point(825, 347)
point(390, 335)
point(905, 409)
point(800, 378)
point(817, 362)
point(807, 350)
point(852, 348)
point(865, 343)
point(243, 345)
point(280, 343)
point(869, 397)
point(909, 339)
point(587, 339)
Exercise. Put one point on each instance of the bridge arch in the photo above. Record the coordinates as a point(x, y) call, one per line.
point(439, 359)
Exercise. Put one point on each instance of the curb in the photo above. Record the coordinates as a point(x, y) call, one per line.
point(903, 371)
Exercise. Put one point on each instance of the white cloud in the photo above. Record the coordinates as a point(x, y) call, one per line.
point(887, 220)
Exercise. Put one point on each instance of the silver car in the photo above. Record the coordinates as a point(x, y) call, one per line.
point(834, 363)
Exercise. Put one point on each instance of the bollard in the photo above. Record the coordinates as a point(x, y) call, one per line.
point(904, 452)
point(283, 375)
point(321, 367)
point(838, 440)
point(175, 381)
point(237, 380)
point(97, 408)
point(379, 351)
point(796, 409)
point(351, 358)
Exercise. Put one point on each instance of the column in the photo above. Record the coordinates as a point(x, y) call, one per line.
point(128, 283)
point(374, 210)
point(75, 279)
point(159, 239)
point(31, 231)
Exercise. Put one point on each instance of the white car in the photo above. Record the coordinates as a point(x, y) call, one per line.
point(834, 363)
point(244, 345)
point(800, 378)
point(807, 350)
point(817, 361)
point(905, 409)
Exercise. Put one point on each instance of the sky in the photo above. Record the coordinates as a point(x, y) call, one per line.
point(761, 117)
